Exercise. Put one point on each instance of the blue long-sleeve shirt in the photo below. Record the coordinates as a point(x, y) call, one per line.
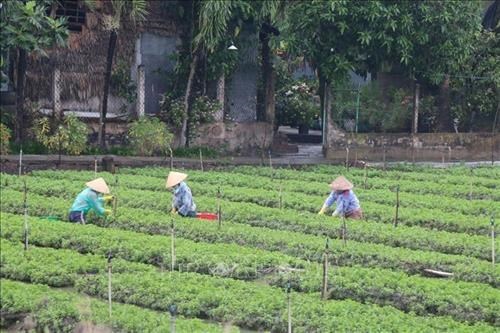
point(346, 202)
point(183, 199)
point(87, 200)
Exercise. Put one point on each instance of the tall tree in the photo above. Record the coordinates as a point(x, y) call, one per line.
point(26, 27)
point(135, 10)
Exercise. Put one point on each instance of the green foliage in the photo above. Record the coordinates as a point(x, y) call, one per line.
point(5, 135)
point(26, 25)
point(149, 136)
point(68, 135)
point(202, 111)
point(121, 84)
point(295, 104)
point(194, 152)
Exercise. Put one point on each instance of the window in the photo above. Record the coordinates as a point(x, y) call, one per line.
point(74, 12)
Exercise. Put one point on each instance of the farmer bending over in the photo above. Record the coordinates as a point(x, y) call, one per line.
point(90, 198)
point(182, 202)
point(345, 199)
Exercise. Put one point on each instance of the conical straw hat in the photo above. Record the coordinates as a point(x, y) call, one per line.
point(175, 178)
point(98, 185)
point(341, 184)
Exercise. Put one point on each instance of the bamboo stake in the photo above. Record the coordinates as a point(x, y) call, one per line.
point(173, 313)
point(280, 196)
point(172, 245)
point(365, 178)
point(397, 207)
point(383, 156)
point(171, 158)
point(25, 203)
point(470, 189)
point(95, 167)
point(201, 160)
point(20, 162)
point(109, 284)
point(289, 301)
point(115, 205)
point(324, 287)
point(344, 231)
point(492, 222)
point(219, 212)
point(270, 159)
point(347, 158)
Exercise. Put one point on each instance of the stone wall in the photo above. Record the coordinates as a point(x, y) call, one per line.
point(442, 147)
point(240, 138)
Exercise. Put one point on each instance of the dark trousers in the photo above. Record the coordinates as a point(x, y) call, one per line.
point(191, 213)
point(77, 217)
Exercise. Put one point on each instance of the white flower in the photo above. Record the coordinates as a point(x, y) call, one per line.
point(288, 93)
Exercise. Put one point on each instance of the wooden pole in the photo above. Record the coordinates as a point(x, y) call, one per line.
point(25, 204)
point(173, 313)
point(347, 158)
point(172, 245)
point(95, 167)
point(397, 207)
point(219, 212)
point(115, 205)
point(324, 286)
point(270, 159)
point(383, 156)
point(171, 158)
point(280, 203)
point(366, 177)
point(289, 301)
point(109, 285)
point(492, 222)
point(344, 231)
point(201, 160)
point(470, 188)
point(20, 162)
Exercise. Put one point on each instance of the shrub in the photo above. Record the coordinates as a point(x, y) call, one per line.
point(68, 135)
point(295, 104)
point(5, 136)
point(148, 136)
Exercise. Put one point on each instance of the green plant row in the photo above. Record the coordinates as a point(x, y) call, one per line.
point(411, 237)
point(379, 286)
point(483, 176)
point(437, 186)
point(259, 307)
point(433, 219)
point(299, 245)
point(59, 268)
point(228, 260)
point(382, 194)
point(64, 311)
point(201, 304)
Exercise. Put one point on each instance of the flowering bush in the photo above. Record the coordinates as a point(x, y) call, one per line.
point(295, 105)
point(68, 135)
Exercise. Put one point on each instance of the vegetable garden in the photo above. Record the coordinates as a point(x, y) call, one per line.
point(270, 262)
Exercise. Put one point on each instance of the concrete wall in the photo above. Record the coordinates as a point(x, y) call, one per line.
point(235, 137)
point(423, 147)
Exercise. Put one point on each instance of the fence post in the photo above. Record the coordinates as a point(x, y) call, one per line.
point(219, 211)
point(110, 256)
point(270, 159)
point(492, 222)
point(383, 156)
point(201, 160)
point(347, 158)
point(95, 167)
point(365, 178)
point(470, 188)
point(20, 162)
point(344, 231)
point(324, 286)
point(171, 158)
point(289, 301)
point(397, 207)
point(280, 202)
point(172, 245)
point(141, 91)
point(25, 204)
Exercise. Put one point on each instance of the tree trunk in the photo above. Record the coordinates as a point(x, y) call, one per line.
point(107, 80)
point(20, 105)
point(444, 106)
point(187, 101)
point(416, 101)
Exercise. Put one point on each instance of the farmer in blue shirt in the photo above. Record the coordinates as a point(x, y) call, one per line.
point(346, 201)
point(90, 199)
point(182, 202)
